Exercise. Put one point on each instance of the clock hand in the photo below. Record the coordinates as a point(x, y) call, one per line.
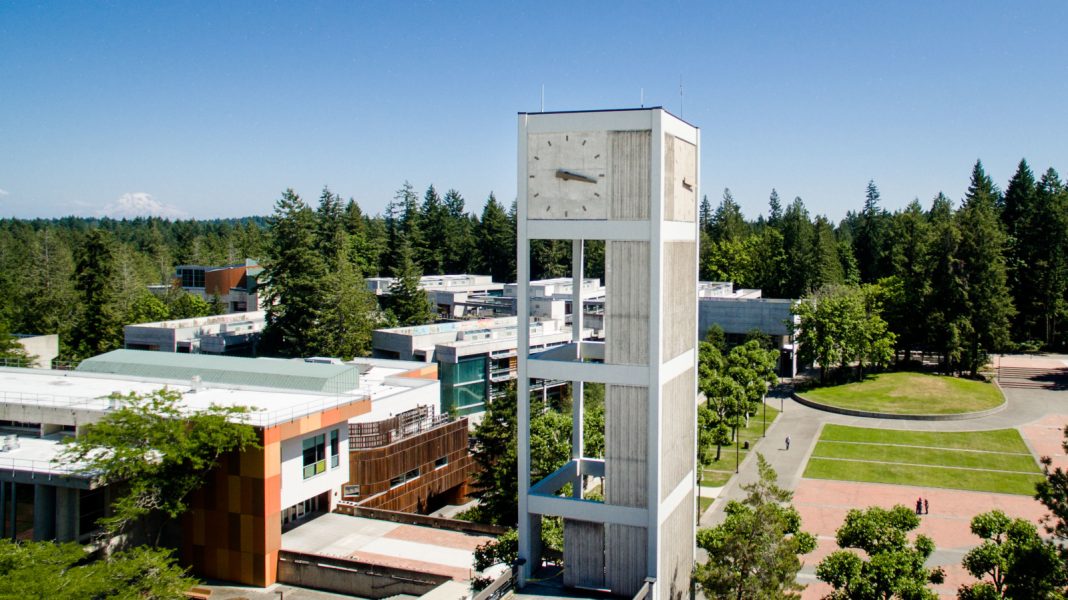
point(571, 175)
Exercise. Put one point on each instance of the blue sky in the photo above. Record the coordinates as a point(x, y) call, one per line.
point(212, 109)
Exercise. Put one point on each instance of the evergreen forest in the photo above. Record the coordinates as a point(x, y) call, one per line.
point(958, 278)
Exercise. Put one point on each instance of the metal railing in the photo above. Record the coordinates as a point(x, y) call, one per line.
point(503, 584)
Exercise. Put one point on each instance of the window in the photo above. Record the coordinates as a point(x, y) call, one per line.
point(335, 459)
point(314, 455)
point(441, 462)
point(402, 479)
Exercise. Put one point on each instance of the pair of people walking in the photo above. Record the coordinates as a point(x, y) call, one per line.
point(922, 507)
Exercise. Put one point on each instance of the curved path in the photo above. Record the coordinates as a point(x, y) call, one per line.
point(803, 424)
point(1039, 414)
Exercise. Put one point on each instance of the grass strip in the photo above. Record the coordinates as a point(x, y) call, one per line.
point(922, 476)
point(926, 456)
point(1000, 440)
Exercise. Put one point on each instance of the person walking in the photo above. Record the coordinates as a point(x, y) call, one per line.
point(919, 506)
point(787, 442)
point(926, 508)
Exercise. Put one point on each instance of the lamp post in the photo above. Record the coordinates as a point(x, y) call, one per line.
point(737, 447)
point(764, 401)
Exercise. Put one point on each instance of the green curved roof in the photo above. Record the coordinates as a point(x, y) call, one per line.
point(230, 370)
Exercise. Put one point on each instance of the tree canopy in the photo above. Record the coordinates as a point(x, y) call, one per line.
point(64, 572)
point(891, 567)
point(159, 451)
point(754, 553)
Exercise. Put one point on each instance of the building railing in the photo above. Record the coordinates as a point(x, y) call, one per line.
point(503, 584)
point(646, 590)
point(32, 465)
point(254, 417)
point(363, 436)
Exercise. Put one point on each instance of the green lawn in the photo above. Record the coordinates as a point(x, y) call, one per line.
point(999, 440)
point(703, 503)
point(987, 461)
point(911, 394)
point(719, 472)
point(928, 459)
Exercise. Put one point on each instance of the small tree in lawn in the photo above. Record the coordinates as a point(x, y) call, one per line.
point(160, 452)
point(1012, 562)
point(894, 567)
point(755, 552)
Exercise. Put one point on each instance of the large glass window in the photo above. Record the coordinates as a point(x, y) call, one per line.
point(335, 444)
point(314, 455)
point(191, 278)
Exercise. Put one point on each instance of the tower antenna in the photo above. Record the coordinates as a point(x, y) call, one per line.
point(643, 97)
point(681, 98)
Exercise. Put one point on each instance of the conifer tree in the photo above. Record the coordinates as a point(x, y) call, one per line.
point(944, 304)
point(705, 215)
point(870, 237)
point(988, 304)
point(99, 326)
point(459, 243)
point(797, 233)
point(408, 303)
point(496, 242)
point(292, 275)
point(774, 209)
point(349, 310)
point(433, 219)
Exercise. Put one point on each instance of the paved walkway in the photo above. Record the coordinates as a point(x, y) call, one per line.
point(803, 425)
point(1037, 413)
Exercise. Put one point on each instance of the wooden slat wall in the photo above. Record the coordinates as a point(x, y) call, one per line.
point(372, 469)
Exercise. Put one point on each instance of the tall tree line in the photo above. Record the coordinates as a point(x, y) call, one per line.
point(962, 281)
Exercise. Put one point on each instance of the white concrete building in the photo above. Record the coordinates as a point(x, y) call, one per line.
point(234, 333)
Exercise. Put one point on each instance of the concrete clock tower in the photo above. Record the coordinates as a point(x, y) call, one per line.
point(628, 177)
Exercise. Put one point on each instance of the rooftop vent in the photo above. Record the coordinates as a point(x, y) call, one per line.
point(10, 442)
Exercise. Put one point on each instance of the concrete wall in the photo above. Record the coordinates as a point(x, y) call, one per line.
point(584, 557)
point(352, 577)
point(740, 316)
point(44, 347)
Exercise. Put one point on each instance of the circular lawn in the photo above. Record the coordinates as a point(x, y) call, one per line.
point(910, 394)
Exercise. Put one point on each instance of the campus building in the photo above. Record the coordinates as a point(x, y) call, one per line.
point(233, 334)
point(304, 414)
point(743, 311)
point(236, 285)
point(449, 293)
point(476, 359)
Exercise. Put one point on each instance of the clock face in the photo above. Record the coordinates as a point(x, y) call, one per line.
point(566, 175)
point(682, 198)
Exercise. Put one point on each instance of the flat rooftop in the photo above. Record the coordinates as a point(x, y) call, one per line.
point(91, 391)
point(38, 457)
point(239, 317)
point(424, 549)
